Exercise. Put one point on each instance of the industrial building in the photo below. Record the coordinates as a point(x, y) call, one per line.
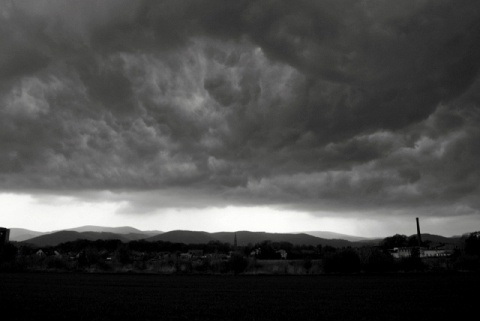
point(423, 252)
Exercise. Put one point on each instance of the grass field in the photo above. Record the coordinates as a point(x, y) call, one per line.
point(52, 296)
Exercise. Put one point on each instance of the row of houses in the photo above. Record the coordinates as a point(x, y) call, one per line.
point(190, 255)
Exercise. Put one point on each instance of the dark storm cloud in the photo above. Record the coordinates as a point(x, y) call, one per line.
point(317, 104)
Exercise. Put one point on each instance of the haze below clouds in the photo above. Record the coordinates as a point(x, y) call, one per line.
point(357, 116)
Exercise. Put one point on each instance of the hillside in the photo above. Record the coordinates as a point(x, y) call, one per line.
point(94, 228)
point(337, 236)
point(181, 236)
point(56, 238)
point(116, 230)
point(437, 239)
point(432, 238)
point(127, 234)
point(187, 237)
point(21, 234)
point(244, 238)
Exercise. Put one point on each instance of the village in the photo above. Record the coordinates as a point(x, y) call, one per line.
point(396, 253)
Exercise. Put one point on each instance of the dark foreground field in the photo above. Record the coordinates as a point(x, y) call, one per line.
point(156, 297)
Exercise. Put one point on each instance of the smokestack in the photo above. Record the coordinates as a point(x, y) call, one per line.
point(419, 237)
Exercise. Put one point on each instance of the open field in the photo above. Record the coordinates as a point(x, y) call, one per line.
point(52, 296)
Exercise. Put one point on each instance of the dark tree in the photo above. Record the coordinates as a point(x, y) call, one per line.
point(378, 261)
point(343, 261)
point(237, 263)
point(472, 244)
point(8, 252)
point(469, 258)
point(307, 265)
point(396, 240)
point(267, 251)
point(217, 247)
point(123, 255)
point(413, 262)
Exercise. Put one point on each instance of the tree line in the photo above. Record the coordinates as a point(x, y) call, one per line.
point(218, 257)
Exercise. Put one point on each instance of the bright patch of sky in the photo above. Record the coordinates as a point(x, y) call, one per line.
point(62, 212)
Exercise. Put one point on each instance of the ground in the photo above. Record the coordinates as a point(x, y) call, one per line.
point(65, 296)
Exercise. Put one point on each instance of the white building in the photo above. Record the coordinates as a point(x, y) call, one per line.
point(402, 252)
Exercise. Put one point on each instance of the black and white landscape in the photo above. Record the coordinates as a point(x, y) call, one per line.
point(200, 145)
point(346, 116)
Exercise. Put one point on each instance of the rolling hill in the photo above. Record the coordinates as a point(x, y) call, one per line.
point(127, 234)
point(116, 230)
point(338, 236)
point(56, 238)
point(244, 238)
point(431, 238)
point(181, 236)
point(21, 234)
point(437, 239)
point(187, 237)
point(124, 233)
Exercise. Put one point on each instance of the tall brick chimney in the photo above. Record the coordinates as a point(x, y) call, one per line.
point(419, 237)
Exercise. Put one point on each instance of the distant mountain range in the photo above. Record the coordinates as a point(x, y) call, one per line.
point(117, 230)
point(88, 232)
point(21, 234)
point(338, 236)
point(245, 238)
point(187, 237)
point(127, 234)
point(56, 238)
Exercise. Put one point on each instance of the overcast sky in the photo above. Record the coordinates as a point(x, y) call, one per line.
point(282, 116)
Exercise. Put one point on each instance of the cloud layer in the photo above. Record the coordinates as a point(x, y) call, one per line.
point(338, 105)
